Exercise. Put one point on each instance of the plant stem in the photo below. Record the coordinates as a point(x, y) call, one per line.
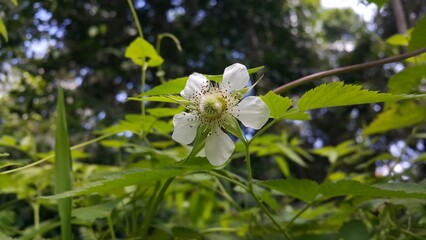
point(53, 155)
point(264, 129)
point(143, 79)
point(288, 225)
point(253, 194)
point(346, 69)
point(111, 227)
point(153, 208)
point(135, 16)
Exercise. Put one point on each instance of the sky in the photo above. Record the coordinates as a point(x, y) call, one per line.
point(367, 12)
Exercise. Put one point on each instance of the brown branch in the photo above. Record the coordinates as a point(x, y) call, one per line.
point(346, 69)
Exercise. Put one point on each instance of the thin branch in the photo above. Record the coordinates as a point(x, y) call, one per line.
point(346, 69)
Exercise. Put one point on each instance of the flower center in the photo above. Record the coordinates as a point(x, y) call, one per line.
point(212, 106)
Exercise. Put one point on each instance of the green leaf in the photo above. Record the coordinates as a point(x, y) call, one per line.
point(94, 212)
point(174, 86)
point(398, 116)
point(418, 35)
point(398, 40)
point(63, 167)
point(165, 112)
point(7, 140)
point(352, 187)
point(337, 94)
point(14, 2)
point(303, 189)
point(354, 230)
point(141, 51)
point(292, 155)
point(168, 99)
point(3, 30)
point(122, 179)
point(408, 80)
point(186, 233)
point(379, 3)
point(277, 105)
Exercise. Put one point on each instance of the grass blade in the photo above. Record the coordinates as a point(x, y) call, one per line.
point(63, 167)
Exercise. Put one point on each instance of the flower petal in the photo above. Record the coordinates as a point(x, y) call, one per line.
point(252, 112)
point(235, 77)
point(195, 85)
point(219, 147)
point(185, 127)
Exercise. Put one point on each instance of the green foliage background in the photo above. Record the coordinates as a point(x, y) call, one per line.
point(324, 158)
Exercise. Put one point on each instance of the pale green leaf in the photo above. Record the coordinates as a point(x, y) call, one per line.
point(418, 35)
point(7, 140)
point(337, 94)
point(277, 105)
point(292, 155)
point(296, 114)
point(408, 80)
point(398, 116)
point(141, 51)
point(398, 40)
point(63, 167)
point(94, 212)
point(122, 179)
point(3, 30)
point(14, 2)
point(352, 187)
point(303, 189)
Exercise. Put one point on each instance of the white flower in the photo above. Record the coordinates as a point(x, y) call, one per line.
point(213, 105)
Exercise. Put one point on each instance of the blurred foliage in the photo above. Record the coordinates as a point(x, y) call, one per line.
point(81, 46)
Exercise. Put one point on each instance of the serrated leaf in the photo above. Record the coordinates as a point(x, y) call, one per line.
point(296, 114)
point(418, 35)
point(337, 94)
point(3, 30)
point(122, 179)
point(398, 40)
point(408, 80)
point(277, 105)
point(398, 116)
point(63, 167)
point(352, 187)
point(302, 189)
point(141, 51)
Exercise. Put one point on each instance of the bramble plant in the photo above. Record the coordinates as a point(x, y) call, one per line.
point(179, 181)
